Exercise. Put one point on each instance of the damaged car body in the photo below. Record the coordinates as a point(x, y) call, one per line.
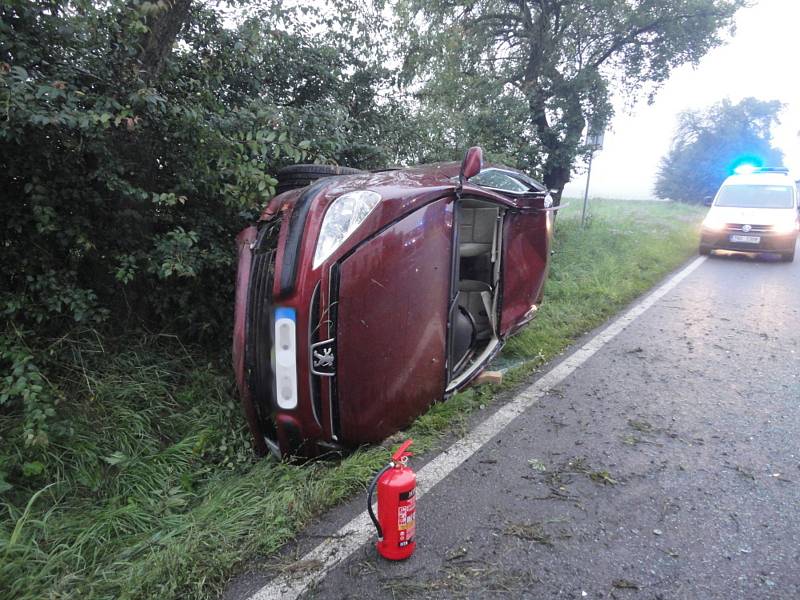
point(362, 299)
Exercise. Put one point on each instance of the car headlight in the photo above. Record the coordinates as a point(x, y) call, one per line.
point(787, 226)
point(713, 224)
point(342, 218)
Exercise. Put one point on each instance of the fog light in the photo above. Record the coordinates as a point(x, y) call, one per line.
point(285, 358)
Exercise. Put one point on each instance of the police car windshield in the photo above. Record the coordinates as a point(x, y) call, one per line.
point(755, 196)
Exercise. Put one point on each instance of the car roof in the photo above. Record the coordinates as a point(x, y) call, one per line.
point(759, 179)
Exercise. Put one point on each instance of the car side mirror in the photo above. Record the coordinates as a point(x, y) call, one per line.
point(708, 200)
point(471, 165)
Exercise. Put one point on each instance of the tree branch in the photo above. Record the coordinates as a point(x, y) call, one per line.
point(620, 43)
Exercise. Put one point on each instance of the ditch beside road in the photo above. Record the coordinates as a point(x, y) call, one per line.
point(667, 466)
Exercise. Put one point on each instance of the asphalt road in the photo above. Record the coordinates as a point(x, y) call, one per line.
point(666, 467)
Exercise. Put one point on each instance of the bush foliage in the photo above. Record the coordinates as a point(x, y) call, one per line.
point(133, 152)
point(137, 138)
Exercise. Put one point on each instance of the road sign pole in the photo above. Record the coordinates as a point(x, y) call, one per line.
point(586, 192)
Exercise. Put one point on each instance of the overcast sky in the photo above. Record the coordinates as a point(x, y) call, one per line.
point(761, 60)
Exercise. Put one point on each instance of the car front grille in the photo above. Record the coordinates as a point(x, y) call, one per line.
point(258, 344)
point(737, 228)
point(315, 323)
point(333, 319)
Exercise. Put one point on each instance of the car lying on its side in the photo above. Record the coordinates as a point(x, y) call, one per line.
point(754, 212)
point(363, 298)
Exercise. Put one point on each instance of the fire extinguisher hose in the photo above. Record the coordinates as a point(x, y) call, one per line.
point(369, 498)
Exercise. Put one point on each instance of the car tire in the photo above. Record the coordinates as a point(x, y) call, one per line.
point(299, 176)
point(704, 250)
point(787, 256)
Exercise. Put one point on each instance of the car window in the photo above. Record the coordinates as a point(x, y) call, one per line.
point(755, 196)
point(498, 180)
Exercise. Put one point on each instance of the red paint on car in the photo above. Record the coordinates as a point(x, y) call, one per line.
point(407, 308)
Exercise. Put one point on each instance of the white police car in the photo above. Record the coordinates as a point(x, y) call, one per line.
point(754, 212)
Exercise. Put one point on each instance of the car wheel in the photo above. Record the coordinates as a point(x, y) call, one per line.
point(787, 256)
point(704, 250)
point(299, 176)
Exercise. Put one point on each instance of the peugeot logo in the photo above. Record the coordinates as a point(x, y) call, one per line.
point(323, 358)
point(746, 228)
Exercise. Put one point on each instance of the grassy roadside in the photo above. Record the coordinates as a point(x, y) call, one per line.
point(626, 247)
point(156, 494)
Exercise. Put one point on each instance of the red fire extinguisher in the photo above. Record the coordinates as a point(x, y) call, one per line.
point(397, 518)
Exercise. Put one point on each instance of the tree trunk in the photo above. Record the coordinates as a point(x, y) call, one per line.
point(557, 169)
point(158, 41)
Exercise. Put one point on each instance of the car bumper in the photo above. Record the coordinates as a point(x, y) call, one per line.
point(767, 242)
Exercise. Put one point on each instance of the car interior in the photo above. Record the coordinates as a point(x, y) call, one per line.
point(474, 323)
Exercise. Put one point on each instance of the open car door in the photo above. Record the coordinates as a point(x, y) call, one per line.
point(526, 237)
point(526, 247)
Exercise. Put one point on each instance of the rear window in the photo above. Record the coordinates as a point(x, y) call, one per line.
point(755, 196)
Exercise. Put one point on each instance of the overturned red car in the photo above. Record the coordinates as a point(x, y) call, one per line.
point(363, 298)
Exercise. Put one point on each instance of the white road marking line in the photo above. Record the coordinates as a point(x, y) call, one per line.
point(360, 530)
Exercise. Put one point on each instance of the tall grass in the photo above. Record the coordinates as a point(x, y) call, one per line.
point(625, 247)
point(148, 488)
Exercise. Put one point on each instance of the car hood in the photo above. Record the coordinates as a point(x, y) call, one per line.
point(390, 183)
point(752, 216)
point(408, 185)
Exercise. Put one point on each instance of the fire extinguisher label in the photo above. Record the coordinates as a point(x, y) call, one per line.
point(406, 518)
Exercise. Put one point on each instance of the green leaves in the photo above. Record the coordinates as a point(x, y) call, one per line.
point(25, 386)
point(32, 469)
point(117, 459)
point(126, 268)
point(123, 172)
point(531, 77)
point(18, 73)
point(178, 254)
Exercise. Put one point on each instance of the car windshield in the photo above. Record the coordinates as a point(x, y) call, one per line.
point(755, 196)
point(499, 180)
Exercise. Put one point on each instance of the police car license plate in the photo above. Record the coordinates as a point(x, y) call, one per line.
point(747, 239)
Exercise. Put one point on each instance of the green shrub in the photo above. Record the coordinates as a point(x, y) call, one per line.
point(137, 138)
